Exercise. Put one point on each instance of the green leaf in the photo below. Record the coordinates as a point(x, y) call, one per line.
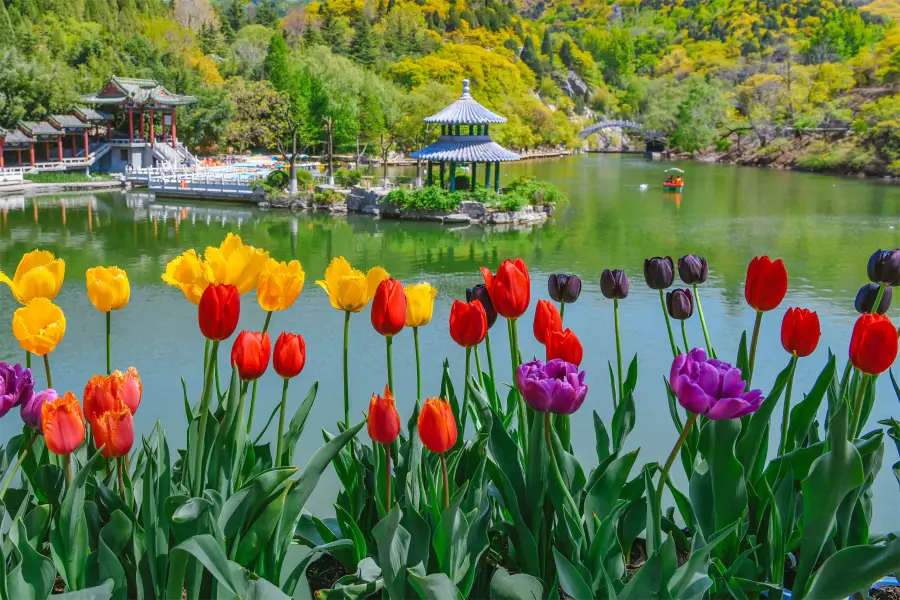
point(726, 475)
point(211, 555)
point(392, 541)
point(113, 538)
point(290, 584)
point(37, 523)
point(623, 420)
point(743, 357)
point(570, 580)
point(831, 477)
point(601, 435)
point(100, 592)
point(449, 543)
point(605, 491)
point(436, 586)
point(804, 413)
point(691, 580)
point(654, 527)
point(854, 569)
point(49, 484)
point(298, 421)
point(251, 498)
point(519, 531)
point(257, 533)
point(515, 587)
point(750, 445)
point(33, 577)
point(351, 530)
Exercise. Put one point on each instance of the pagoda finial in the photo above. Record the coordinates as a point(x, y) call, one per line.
point(465, 87)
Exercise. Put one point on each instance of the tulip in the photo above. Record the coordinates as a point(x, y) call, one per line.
point(39, 326)
point(105, 393)
point(884, 267)
point(680, 304)
point(188, 273)
point(39, 275)
point(564, 289)
point(510, 288)
point(659, 272)
point(250, 354)
point(480, 292)
point(437, 430)
point(873, 349)
point(383, 423)
point(234, 263)
point(800, 331)
point(556, 386)
point(108, 288)
point(16, 387)
point(389, 308)
point(218, 311)
point(349, 289)
point(468, 323)
point(614, 284)
point(114, 431)
point(767, 283)
point(564, 345)
point(279, 284)
point(289, 357)
point(62, 424)
point(546, 320)
point(693, 269)
point(865, 298)
point(31, 408)
point(419, 304)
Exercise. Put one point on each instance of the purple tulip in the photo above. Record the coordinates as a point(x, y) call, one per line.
point(31, 408)
point(557, 386)
point(480, 293)
point(659, 272)
point(614, 284)
point(884, 267)
point(711, 387)
point(680, 304)
point(16, 386)
point(692, 269)
point(564, 288)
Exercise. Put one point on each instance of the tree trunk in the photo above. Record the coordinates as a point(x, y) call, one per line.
point(357, 151)
point(419, 173)
point(330, 152)
point(293, 186)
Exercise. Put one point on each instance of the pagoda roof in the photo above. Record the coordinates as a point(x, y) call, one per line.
point(465, 111)
point(91, 115)
point(120, 90)
point(35, 128)
point(14, 137)
point(67, 121)
point(465, 148)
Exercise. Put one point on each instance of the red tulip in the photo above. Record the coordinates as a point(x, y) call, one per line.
point(767, 283)
point(546, 320)
point(104, 393)
point(62, 424)
point(800, 331)
point(510, 288)
point(873, 345)
point(114, 430)
point(219, 309)
point(290, 354)
point(564, 345)
point(389, 307)
point(383, 421)
point(468, 323)
point(250, 353)
point(437, 426)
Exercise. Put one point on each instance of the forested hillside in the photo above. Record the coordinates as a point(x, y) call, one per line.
point(810, 82)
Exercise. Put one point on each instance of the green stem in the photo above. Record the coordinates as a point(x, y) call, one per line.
point(214, 362)
point(278, 447)
point(487, 347)
point(857, 409)
point(520, 402)
point(478, 366)
point(197, 467)
point(618, 352)
point(266, 324)
point(418, 367)
point(877, 298)
point(253, 393)
point(687, 345)
point(346, 370)
point(68, 463)
point(387, 477)
point(662, 301)
point(446, 480)
point(108, 358)
point(121, 469)
point(465, 407)
point(663, 477)
point(553, 463)
point(754, 341)
point(47, 369)
point(562, 311)
point(709, 349)
point(177, 569)
point(206, 357)
point(28, 359)
point(786, 412)
point(34, 436)
point(389, 342)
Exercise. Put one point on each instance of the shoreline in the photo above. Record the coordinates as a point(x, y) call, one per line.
point(37, 189)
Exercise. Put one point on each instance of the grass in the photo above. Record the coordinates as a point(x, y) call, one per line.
point(65, 177)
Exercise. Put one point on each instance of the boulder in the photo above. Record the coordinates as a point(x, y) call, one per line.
point(475, 210)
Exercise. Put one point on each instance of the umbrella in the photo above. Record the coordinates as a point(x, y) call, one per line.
point(674, 170)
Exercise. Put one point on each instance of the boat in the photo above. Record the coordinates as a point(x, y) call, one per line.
point(674, 181)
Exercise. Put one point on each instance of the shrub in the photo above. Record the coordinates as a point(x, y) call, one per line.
point(426, 198)
point(278, 180)
point(463, 182)
point(537, 193)
point(327, 198)
point(348, 177)
point(304, 177)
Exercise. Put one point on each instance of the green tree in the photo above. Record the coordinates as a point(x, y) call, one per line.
point(699, 117)
point(267, 14)
point(276, 63)
point(547, 43)
point(332, 33)
point(206, 123)
point(235, 15)
point(406, 33)
point(362, 48)
point(565, 53)
point(453, 20)
point(529, 55)
point(7, 35)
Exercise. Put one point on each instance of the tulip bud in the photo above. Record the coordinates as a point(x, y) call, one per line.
point(884, 267)
point(290, 355)
point(564, 345)
point(873, 344)
point(16, 386)
point(510, 288)
point(383, 421)
point(680, 304)
point(767, 283)
point(31, 409)
point(389, 308)
point(437, 426)
point(564, 288)
point(250, 354)
point(659, 272)
point(614, 284)
point(480, 293)
point(468, 323)
point(866, 295)
point(546, 320)
point(219, 310)
point(114, 431)
point(62, 424)
point(800, 331)
point(692, 269)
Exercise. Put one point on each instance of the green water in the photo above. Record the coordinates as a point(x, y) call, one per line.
point(823, 227)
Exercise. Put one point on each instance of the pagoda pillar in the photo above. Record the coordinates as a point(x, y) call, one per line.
point(74, 146)
point(87, 146)
point(174, 130)
point(109, 131)
point(143, 126)
point(47, 151)
point(31, 153)
point(453, 177)
point(474, 174)
point(430, 175)
point(59, 147)
point(131, 125)
point(496, 176)
point(442, 174)
point(152, 134)
point(487, 176)
point(1, 153)
point(19, 153)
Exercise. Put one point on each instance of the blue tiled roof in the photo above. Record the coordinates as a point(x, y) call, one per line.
point(465, 111)
point(465, 148)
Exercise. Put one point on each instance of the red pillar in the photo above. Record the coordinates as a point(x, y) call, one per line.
point(74, 146)
point(162, 125)
point(174, 142)
point(47, 150)
point(31, 153)
point(143, 129)
point(20, 157)
point(109, 135)
point(59, 147)
point(131, 125)
point(152, 135)
point(87, 147)
point(1, 152)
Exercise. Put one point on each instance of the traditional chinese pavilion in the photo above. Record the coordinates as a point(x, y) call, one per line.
point(465, 139)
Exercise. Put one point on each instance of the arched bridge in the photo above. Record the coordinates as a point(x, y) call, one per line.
point(610, 124)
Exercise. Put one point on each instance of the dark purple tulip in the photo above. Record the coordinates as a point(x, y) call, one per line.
point(31, 409)
point(564, 288)
point(680, 304)
point(557, 386)
point(866, 295)
point(710, 387)
point(16, 386)
point(884, 267)
point(614, 284)
point(480, 293)
point(659, 272)
point(692, 269)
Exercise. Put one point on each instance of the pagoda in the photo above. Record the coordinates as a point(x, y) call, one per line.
point(460, 145)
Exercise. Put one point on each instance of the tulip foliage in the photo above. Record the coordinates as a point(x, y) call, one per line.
point(476, 492)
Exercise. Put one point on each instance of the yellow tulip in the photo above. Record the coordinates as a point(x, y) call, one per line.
point(39, 326)
point(348, 288)
point(279, 284)
point(39, 275)
point(189, 274)
point(235, 264)
point(419, 303)
point(108, 288)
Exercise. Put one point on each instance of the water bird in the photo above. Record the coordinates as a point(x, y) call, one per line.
point(643, 187)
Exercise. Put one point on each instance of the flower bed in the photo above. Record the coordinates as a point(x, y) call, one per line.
point(423, 512)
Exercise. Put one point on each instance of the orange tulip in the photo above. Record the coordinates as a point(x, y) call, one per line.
point(62, 424)
point(383, 421)
point(103, 393)
point(437, 426)
point(114, 431)
point(546, 320)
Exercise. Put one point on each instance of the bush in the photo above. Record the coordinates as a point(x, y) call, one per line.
point(427, 198)
point(537, 193)
point(327, 198)
point(304, 177)
point(347, 177)
point(463, 182)
point(278, 180)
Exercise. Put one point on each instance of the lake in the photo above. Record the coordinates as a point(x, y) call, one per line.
point(823, 227)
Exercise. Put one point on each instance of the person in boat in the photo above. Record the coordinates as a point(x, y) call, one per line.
point(679, 182)
point(670, 179)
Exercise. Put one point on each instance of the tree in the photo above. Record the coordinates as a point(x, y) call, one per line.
point(406, 33)
point(362, 48)
point(391, 114)
point(547, 43)
point(565, 53)
point(6, 26)
point(332, 33)
point(267, 14)
point(276, 63)
point(234, 15)
point(453, 20)
point(529, 55)
point(206, 122)
point(257, 114)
